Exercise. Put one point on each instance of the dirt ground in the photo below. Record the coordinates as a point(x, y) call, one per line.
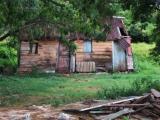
point(29, 113)
point(48, 112)
point(44, 112)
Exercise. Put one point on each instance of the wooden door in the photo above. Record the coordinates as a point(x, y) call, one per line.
point(63, 59)
point(118, 57)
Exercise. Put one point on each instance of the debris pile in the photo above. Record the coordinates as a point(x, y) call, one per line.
point(138, 108)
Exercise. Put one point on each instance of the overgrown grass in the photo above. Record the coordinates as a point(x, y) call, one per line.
point(137, 87)
point(58, 89)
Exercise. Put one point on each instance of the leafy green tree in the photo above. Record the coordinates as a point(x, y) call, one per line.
point(68, 16)
point(37, 17)
point(147, 11)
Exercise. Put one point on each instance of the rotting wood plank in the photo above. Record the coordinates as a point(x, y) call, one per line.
point(157, 106)
point(101, 112)
point(144, 107)
point(155, 93)
point(156, 111)
point(117, 114)
point(141, 100)
point(111, 103)
point(149, 113)
point(139, 117)
point(128, 105)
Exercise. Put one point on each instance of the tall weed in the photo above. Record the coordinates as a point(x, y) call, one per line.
point(137, 87)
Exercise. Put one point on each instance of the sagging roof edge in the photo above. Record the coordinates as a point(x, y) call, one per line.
point(76, 36)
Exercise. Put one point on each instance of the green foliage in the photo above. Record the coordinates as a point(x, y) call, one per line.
point(128, 17)
point(137, 87)
point(68, 16)
point(141, 32)
point(156, 36)
point(145, 11)
point(141, 9)
point(69, 43)
point(125, 118)
point(8, 56)
point(100, 36)
point(39, 18)
point(142, 59)
point(76, 16)
point(155, 54)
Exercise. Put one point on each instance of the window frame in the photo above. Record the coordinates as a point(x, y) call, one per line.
point(33, 48)
point(85, 46)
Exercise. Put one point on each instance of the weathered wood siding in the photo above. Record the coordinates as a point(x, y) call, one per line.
point(119, 58)
point(63, 59)
point(101, 54)
point(45, 59)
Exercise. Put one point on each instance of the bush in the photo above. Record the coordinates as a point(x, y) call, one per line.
point(8, 58)
point(155, 53)
point(138, 87)
point(141, 32)
point(155, 56)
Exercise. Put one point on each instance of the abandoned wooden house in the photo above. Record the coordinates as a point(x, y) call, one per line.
point(50, 55)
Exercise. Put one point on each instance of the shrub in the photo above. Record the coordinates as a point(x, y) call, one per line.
point(8, 58)
point(141, 32)
point(137, 87)
point(155, 53)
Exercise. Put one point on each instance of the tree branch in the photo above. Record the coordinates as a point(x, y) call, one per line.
point(54, 2)
point(5, 36)
point(28, 24)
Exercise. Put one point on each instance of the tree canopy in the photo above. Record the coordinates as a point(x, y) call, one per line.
point(68, 16)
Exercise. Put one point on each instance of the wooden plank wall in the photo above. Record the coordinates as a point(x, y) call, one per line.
point(101, 54)
point(44, 60)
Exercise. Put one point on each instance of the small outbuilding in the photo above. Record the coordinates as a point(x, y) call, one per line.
point(49, 55)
